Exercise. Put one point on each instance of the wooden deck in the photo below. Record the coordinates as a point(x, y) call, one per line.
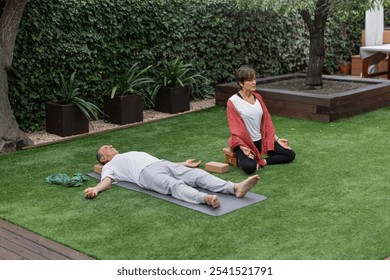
point(17, 243)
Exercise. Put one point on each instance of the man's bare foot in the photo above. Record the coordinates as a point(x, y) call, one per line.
point(240, 189)
point(212, 200)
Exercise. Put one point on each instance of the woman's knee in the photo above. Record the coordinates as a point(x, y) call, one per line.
point(249, 167)
point(247, 164)
point(291, 156)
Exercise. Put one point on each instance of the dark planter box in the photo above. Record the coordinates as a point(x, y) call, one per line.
point(123, 109)
point(65, 119)
point(173, 100)
point(320, 107)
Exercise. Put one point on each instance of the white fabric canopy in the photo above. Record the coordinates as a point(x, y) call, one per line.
point(374, 30)
point(374, 26)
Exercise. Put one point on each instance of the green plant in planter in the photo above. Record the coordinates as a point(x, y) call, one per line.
point(176, 73)
point(345, 67)
point(131, 81)
point(125, 102)
point(70, 115)
point(176, 83)
point(70, 94)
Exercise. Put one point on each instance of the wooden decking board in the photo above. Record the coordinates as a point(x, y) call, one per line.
point(20, 251)
point(18, 243)
point(28, 249)
point(8, 255)
point(39, 244)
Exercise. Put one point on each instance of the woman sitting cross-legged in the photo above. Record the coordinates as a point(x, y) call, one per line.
point(251, 127)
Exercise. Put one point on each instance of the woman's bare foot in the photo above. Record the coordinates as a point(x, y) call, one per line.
point(212, 200)
point(240, 189)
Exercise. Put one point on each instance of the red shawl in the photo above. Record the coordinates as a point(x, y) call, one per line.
point(240, 136)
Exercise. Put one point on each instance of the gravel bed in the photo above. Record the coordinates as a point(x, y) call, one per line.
point(42, 137)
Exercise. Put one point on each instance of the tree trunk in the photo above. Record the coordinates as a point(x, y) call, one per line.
point(316, 61)
point(11, 137)
point(316, 27)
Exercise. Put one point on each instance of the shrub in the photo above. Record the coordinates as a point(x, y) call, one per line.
point(100, 37)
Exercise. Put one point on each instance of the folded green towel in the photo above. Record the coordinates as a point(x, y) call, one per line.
point(63, 179)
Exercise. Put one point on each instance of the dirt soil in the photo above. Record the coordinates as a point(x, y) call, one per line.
point(329, 87)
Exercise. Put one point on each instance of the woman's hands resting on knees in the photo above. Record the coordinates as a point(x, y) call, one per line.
point(247, 152)
point(284, 143)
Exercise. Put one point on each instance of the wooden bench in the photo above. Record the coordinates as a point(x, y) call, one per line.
point(231, 157)
point(357, 67)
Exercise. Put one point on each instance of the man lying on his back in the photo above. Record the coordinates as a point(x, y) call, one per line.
point(165, 177)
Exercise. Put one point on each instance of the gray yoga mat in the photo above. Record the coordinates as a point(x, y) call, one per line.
point(229, 203)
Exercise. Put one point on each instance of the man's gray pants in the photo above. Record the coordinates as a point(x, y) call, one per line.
point(180, 181)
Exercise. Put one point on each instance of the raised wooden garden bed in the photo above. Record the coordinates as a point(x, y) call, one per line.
point(371, 95)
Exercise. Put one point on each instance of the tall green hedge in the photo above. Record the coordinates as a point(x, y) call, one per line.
point(100, 38)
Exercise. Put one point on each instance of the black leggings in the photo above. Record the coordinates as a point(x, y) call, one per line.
point(277, 156)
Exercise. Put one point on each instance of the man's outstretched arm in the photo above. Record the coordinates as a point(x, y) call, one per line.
point(105, 184)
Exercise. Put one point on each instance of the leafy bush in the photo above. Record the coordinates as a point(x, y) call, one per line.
point(100, 37)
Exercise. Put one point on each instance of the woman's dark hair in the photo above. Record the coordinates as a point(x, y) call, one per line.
point(245, 73)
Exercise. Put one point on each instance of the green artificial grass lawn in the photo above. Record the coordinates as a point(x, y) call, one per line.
point(332, 202)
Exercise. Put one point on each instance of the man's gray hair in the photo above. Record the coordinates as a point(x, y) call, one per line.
point(99, 156)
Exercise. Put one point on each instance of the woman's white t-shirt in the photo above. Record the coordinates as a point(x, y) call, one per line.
point(251, 114)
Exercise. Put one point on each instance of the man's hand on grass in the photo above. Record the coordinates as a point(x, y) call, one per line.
point(90, 193)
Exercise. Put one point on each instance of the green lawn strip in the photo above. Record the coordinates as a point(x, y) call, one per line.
point(331, 203)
